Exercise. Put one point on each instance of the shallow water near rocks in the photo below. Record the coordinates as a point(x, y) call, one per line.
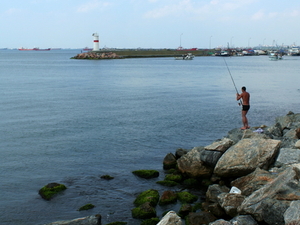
point(72, 121)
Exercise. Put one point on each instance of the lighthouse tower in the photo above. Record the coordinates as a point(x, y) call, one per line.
point(96, 42)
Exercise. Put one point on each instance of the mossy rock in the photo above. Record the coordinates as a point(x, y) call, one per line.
point(47, 192)
point(167, 183)
point(186, 197)
point(172, 171)
point(174, 177)
point(107, 177)
point(86, 207)
point(147, 174)
point(168, 197)
point(152, 221)
point(151, 196)
point(144, 211)
point(117, 223)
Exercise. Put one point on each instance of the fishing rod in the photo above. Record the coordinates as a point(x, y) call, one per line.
point(232, 80)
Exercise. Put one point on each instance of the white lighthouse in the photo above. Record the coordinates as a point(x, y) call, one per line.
point(96, 42)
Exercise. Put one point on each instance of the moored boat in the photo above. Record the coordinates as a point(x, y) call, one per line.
point(188, 56)
point(275, 56)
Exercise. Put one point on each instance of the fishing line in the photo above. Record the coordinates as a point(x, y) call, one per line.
point(232, 80)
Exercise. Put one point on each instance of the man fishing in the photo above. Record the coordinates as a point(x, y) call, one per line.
point(245, 96)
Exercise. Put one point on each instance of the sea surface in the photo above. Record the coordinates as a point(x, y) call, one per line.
point(72, 121)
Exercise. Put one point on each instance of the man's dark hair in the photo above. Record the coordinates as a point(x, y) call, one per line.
point(244, 88)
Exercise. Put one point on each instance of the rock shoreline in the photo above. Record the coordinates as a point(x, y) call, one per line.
point(253, 177)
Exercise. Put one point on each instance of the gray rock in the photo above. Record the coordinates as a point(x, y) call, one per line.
point(210, 158)
point(214, 190)
point(273, 211)
point(275, 130)
point(169, 161)
point(171, 218)
point(180, 152)
point(200, 218)
point(253, 181)
point(90, 220)
point(192, 165)
point(297, 144)
point(285, 187)
point(243, 220)
point(230, 203)
point(287, 156)
point(292, 215)
point(244, 157)
point(220, 222)
point(220, 146)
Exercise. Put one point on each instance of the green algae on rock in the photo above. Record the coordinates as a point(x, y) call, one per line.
point(167, 183)
point(86, 207)
point(174, 177)
point(146, 173)
point(186, 197)
point(144, 211)
point(151, 221)
point(117, 223)
point(151, 196)
point(47, 192)
point(107, 177)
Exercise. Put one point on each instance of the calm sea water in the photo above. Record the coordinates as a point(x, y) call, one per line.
point(72, 121)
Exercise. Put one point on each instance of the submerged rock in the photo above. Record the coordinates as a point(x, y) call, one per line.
point(50, 190)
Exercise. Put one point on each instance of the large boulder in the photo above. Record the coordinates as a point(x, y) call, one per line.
point(292, 215)
point(253, 181)
point(220, 146)
point(192, 165)
point(285, 187)
point(171, 218)
point(245, 156)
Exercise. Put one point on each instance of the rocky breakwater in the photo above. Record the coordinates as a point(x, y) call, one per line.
point(249, 177)
point(96, 55)
point(254, 173)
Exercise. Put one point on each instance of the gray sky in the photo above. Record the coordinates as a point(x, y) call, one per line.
point(148, 23)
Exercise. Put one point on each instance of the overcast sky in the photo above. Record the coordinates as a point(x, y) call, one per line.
point(148, 23)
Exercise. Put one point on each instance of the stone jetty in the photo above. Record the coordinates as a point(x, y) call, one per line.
point(97, 55)
point(252, 177)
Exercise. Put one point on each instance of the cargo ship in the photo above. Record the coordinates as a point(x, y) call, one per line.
point(34, 49)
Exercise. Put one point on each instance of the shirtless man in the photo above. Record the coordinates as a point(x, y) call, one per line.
point(245, 96)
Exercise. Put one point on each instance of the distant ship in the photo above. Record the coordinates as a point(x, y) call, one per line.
point(26, 49)
point(87, 49)
point(34, 49)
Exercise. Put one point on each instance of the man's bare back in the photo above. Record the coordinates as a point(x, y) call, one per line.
point(245, 96)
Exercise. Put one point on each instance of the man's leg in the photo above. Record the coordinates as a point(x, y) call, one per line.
point(245, 120)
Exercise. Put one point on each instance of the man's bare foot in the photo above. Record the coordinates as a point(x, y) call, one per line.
point(243, 128)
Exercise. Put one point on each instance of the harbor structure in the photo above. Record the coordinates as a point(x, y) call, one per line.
point(96, 42)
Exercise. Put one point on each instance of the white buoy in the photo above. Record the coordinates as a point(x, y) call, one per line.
point(96, 42)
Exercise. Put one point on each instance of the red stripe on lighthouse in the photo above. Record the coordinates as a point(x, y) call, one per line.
point(96, 40)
